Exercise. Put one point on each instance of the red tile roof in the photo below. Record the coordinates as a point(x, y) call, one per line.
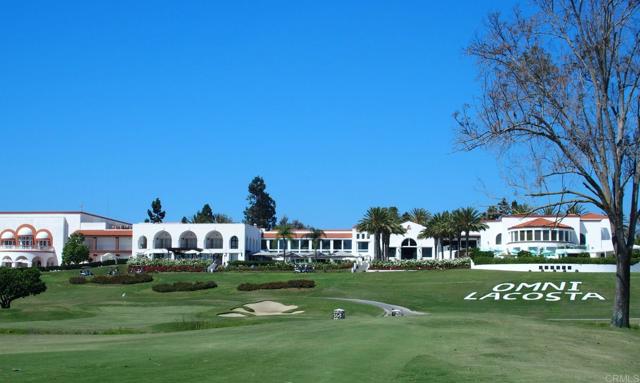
point(106, 233)
point(540, 222)
point(593, 217)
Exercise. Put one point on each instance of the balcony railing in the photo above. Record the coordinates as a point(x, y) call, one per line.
point(24, 247)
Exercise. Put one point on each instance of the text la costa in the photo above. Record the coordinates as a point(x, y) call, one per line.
point(546, 291)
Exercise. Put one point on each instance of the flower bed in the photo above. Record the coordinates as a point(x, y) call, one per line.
point(431, 264)
point(292, 284)
point(166, 265)
point(282, 266)
point(183, 286)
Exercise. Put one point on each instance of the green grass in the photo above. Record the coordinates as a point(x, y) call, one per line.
point(90, 333)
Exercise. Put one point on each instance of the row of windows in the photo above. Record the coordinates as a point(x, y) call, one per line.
point(538, 236)
point(26, 242)
point(362, 235)
point(306, 244)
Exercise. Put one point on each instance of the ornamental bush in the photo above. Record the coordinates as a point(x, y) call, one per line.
point(292, 284)
point(183, 286)
point(125, 279)
point(144, 265)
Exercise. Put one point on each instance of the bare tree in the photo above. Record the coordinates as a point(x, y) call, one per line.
point(560, 87)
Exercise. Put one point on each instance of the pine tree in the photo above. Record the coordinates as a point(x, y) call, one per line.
point(156, 214)
point(262, 208)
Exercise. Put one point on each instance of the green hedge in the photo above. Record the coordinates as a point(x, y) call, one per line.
point(81, 265)
point(183, 286)
point(292, 284)
point(430, 264)
point(565, 260)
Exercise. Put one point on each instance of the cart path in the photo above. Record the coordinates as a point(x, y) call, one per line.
point(386, 307)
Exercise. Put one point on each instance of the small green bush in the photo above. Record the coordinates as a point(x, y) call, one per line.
point(524, 254)
point(77, 280)
point(183, 286)
point(125, 279)
point(292, 284)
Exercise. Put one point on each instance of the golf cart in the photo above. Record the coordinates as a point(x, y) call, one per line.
point(86, 271)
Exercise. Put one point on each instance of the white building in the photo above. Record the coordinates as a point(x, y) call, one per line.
point(223, 242)
point(37, 238)
point(549, 235)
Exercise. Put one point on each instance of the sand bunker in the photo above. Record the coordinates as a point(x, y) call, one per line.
point(263, 308)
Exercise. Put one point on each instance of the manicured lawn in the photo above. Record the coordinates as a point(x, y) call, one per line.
point(85, 333)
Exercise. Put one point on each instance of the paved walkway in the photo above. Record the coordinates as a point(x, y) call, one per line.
point(386, 307)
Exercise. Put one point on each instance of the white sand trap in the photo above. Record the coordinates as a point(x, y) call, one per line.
point(263, 308)
point(231, 315)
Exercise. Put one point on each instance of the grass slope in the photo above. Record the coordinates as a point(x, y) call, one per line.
point(90, 333)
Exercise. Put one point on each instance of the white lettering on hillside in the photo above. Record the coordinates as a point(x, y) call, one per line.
point(535, 291)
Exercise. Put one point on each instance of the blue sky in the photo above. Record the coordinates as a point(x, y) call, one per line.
point(338, 105)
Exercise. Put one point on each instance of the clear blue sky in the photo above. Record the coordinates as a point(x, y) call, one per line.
point(338, 105)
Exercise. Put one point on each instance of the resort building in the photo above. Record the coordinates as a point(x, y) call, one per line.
point(37, 238)
point(220, 242)
point(550, 236)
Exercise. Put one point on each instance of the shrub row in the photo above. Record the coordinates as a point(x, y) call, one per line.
point(282, 266)
point(126, 279)
point(565, 260)
point(292, 284)
point(183, 286)
point(166, 268)
point(87, 264)
point(430, 264)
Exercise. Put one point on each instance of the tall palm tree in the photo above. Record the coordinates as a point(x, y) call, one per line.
point(420, 216)
point(436, 228)
point(392, 225)
point(373, 222)
point(284, 232)
point(315, 235)
point(457, 225)
point(470, 220)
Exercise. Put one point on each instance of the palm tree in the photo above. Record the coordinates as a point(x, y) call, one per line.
point(470, 219)
point(436, 228)
point(457, 226)
point(373, 222)
point(392, 225)
point(284, 232)
point(576, 209)
point(315, 235)
point(420, 216)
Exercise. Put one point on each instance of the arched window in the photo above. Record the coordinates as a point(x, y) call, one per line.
point(213, 240)
point(233, 242)
point(142, 242)
point(8, 238)
point(409, 243)
point(25, 237)
point(188, 240)
point(583, 239)
point(43, 239)
point(499, 239)
point(162, 240)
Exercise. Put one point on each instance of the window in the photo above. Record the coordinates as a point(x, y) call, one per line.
point(583, 240)
point(213, 240)
point(529, 235)
point(427, 252)
point(363, 247)
point(392, 252)
point(295, 244)
point(26, 241)
point(545, 235)
point(346, 244)
point(44, 243)
point(325, 244)
point(522, 235)
point(8, 242)
point(337, 244)
point(142, 242)
point(233, 242)
point(604, 234)
point(304, 244)
point(264, 244)
point(536, 235)
point(554, 235)
point(498, 242)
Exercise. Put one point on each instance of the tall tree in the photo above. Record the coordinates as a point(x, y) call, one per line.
point(418, 215)
point(315, 235)
point(561, 84)
point(392, 225)
point(222, 218)
point(156, 214)
point(373, 222)
point(262, 208)
point(575, 209)
point(437, 228)
point(470, 220)
point(19, 283)
point(74, 250)
point(284, 233)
